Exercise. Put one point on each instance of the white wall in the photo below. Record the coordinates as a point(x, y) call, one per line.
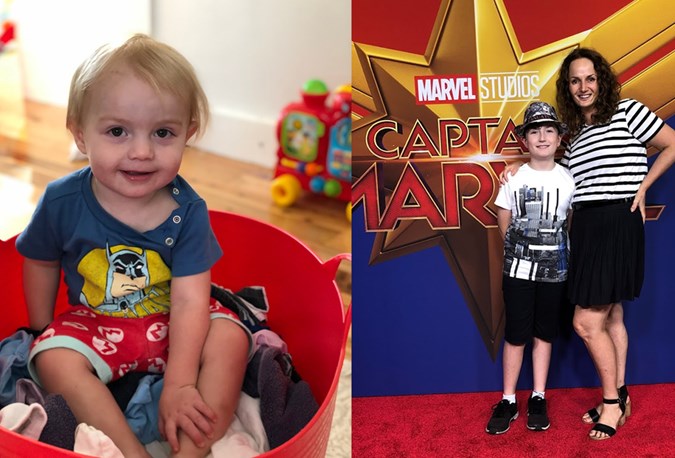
point(54, 37)
point(252, 56)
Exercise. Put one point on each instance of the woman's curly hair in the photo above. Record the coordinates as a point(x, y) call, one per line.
point(609, 91)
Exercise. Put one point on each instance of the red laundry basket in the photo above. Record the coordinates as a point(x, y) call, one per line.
point(306, 310)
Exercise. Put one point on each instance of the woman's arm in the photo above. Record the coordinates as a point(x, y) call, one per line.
point(40, 286)
point(664, 141)
point(510, 169)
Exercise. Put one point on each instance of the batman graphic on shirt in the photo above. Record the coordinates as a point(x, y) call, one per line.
point(124, 281)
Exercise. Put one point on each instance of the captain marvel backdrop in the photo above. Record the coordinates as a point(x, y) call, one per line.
point(438, 88)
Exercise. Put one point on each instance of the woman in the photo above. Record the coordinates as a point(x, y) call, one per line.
point(608, 160)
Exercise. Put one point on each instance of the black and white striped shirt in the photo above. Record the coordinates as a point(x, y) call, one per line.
point(609, 161)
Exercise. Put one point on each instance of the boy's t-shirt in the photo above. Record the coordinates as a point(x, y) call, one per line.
point(536, 241)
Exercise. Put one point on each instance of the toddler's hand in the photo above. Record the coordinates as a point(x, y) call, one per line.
point(183, 408)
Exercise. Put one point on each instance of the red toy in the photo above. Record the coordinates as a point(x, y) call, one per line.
point(6, 34)
point(318, 350)
point(315, 146)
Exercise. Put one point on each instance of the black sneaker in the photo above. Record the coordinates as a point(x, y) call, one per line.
point(503, 413)
point(537, 419)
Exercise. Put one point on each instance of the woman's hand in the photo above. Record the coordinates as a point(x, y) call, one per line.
point(639, 202)
point(510, 169)
point(183, 408)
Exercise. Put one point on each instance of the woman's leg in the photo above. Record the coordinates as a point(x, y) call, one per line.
point(619, 335)
point(591, 325)
point(617, 331)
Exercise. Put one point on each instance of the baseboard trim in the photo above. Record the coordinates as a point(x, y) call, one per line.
point(241, 137)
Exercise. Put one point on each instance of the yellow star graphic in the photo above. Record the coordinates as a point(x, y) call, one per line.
point(477, 38)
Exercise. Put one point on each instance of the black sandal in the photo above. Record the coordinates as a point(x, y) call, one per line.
point(623, 395)
point(595, 415)
point(608, 430)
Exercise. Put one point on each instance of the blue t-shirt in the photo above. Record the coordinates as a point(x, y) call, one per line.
point(109, 266)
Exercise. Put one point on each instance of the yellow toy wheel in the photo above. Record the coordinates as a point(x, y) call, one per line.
point(285, 190)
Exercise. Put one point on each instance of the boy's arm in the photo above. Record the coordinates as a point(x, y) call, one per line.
point(181, 405)
point(40, 284)
point(503, 220)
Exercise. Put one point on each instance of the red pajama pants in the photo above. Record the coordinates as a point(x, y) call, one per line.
point(115, 346)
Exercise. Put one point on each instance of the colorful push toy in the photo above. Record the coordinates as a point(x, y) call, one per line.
point(6, 33)
point(315, 146)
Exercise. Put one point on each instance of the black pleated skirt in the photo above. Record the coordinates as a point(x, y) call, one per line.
point(607, 251)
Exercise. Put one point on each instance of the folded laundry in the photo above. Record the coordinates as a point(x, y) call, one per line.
point(91, 441)
point(286, 405)
point(28, 392)
point(13, 359)
point(24, 419)
point(59, 430)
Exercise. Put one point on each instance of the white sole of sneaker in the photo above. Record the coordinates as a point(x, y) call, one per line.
point(534, 428)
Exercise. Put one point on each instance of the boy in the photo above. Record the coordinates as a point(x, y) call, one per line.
point(136, 248)
point(532, 216)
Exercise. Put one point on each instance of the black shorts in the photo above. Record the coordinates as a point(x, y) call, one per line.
point(532, 309)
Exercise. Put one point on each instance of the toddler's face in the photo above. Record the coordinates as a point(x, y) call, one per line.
point(133, 135)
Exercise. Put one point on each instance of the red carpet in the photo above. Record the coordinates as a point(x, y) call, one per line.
point(453, 425)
